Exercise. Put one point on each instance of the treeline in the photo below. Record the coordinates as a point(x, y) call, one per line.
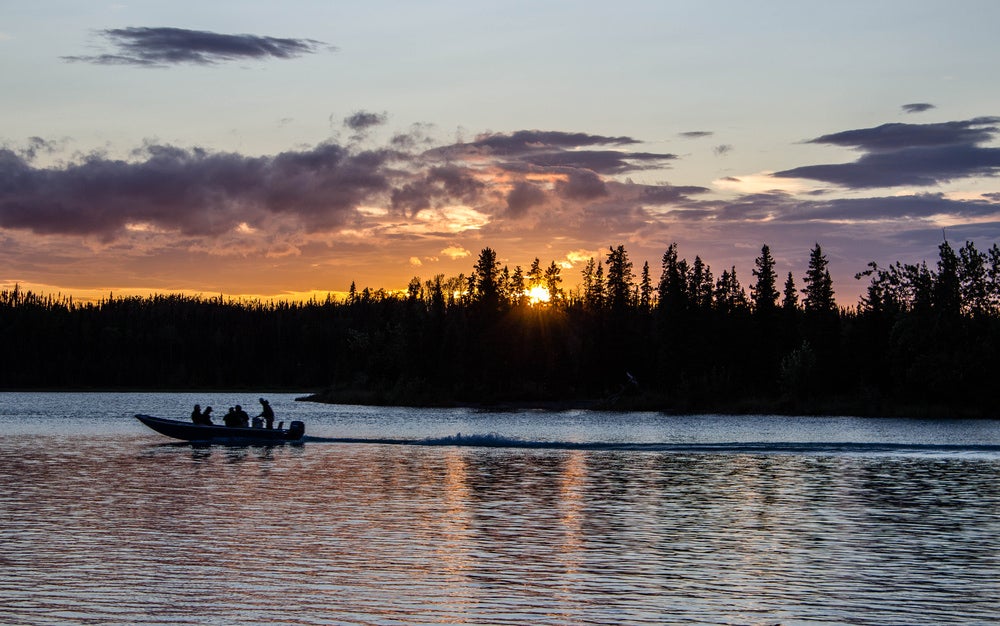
point(920, 340)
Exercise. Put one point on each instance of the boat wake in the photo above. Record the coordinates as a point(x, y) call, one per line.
point(493, 440)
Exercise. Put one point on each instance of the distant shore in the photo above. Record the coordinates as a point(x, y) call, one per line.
point(625, 403)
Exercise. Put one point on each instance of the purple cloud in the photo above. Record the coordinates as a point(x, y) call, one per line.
point(524, 196)
point(363, 120)
point(190, 190)
point(163, 46)
point(909, 154)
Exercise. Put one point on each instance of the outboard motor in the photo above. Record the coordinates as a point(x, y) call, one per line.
point(296, 430)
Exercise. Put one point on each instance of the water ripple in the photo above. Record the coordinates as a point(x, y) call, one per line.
point(111, 530)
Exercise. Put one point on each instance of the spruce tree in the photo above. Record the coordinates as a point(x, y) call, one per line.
point(790, 301)
point(645, 288)
point(620, 278)
point(765, 291)
point(818, 284)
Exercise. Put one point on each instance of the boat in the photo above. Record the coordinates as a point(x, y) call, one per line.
point(216, 433)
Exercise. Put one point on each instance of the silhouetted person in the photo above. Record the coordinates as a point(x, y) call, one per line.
point(206, 416)
point(267, 413)
point(196, 414)
point(231, 419)
point(241, 415)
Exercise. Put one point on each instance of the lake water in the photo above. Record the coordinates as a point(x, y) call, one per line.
point(404, 516)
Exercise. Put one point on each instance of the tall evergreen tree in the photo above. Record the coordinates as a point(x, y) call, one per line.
point(701, 285)
point(765, 290)
point(645, 288)
point(672, 293)
point(485, 280)
point(553, 280)
point(517, 287)
point(818, 288)
point(535, 275)
point(596, 294)
point(620, 278)
point(790, 299)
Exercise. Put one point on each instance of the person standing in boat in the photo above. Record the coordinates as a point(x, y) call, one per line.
point(267, 413)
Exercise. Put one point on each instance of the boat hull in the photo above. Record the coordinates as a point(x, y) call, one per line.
point(187, 431)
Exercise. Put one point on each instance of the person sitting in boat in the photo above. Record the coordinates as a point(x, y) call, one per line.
point(196, 414)
point(231, 419)
point(206, 416)
point(241, 415)
point(267, 413)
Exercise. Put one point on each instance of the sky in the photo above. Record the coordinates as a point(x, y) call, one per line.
point(286, 150)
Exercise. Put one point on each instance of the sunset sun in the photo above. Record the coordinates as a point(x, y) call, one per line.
point(538, 295)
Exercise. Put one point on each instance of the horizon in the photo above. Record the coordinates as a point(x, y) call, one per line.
point(257, 152)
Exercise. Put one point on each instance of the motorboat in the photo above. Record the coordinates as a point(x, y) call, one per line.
point(217, 433)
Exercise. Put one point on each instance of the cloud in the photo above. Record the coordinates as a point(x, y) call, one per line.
point(909, 154)
point(722, 150)
point(404, 200)
point(164, 46)
point(917, 107)
point(456, 252)
point(553, 151)
point(523, 196)
point(695, 134)
point(581, 185)
point(780, 207)
point(192, 191)
point(439, 184)
point(668, 194)
point(524, 141)
point(363, 120)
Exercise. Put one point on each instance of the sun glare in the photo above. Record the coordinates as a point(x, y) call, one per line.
point(537, 295)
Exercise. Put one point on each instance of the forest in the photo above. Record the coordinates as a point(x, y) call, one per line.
point(920, 341)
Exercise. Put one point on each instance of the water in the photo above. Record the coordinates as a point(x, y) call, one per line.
point(402, 516)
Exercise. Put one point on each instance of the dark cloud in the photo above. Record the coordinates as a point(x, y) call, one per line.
point(600, 161)
point(524, 196)
point(523, 141)
point(898, 136)
point(780, 207)
point(439, 184)
point(163, 46)
point(37, 145)
point(553, 151)
point(190, 190)
point(917, 107)
point(668, 194)
point(363, 120)
point(909, 154)
point(581, 185)
point(695, 134)
point(722, 150)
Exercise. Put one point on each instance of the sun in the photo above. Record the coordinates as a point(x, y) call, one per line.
point(538, 295)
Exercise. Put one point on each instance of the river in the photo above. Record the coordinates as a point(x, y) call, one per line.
point(445, 516)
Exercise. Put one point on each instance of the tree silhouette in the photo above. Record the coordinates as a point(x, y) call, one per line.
point(765, 290)
point(620, 279)
point(818, 288)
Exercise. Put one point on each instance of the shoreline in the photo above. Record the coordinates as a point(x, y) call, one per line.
point(841, 406)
